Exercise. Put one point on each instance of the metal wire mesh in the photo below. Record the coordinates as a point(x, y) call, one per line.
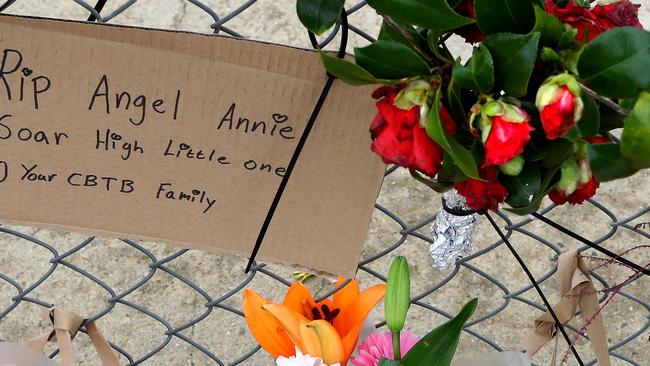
point(60, 261)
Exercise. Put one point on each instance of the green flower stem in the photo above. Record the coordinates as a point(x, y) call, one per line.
point(397, 354)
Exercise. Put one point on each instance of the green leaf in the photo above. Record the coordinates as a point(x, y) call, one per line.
point(462, 157)
point(607, 163)
point(496, 16)
point(574, 134)
point(436, 185)
point(430, 14)
point(455, 103)
point(438, 347)
point(589, 124)
point(478, 72)
point(387, 33)
point(568, 39)
point(319, 15)
point(617, 63)
point(347, 71)
point(547, 183)
point(550, 28)
point(386, 362)
point(514, 57)
point(522, 187)
point(635, 141)
point(390, 60)
point(558, 150)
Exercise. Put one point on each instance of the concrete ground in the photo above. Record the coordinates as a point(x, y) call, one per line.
point(120, 265)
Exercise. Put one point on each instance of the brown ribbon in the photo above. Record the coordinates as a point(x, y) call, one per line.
point(578, 292)
point(65, 325)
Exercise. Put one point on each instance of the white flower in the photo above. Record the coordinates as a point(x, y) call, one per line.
point(301, 360)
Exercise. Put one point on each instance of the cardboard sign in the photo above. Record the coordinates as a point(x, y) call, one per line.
point(182, 138)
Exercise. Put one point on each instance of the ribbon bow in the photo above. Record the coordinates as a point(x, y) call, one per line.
point(65, 325)
point(578, 292)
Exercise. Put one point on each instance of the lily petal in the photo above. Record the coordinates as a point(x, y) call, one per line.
point(265, 329)
point(290, 321)
point(296, 297)
point(310, 340)
point(350, 341)
point(358, 310)
point(344, 297)
point(330, 342)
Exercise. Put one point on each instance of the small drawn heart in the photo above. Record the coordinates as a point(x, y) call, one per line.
point(279, 118)
point(27, 71)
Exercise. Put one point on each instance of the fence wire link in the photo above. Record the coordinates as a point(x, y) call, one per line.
point(220, 25)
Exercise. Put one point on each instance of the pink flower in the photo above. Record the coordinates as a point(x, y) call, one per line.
point(380, 345)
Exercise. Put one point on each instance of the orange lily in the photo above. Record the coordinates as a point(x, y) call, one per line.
point(328, 329)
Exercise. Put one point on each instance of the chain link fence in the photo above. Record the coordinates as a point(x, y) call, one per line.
point(205, 318)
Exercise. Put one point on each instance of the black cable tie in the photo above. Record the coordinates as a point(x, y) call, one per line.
point(301, 143)
point(558, 324)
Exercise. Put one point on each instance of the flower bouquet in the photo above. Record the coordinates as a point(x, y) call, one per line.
point(529, 114)
point(304, 332)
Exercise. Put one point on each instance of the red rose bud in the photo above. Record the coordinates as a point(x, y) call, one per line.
point(506, 131)
point(472, 33)
point(582, 193)
point(399, 138)
point(559, 104)
point(483, 195)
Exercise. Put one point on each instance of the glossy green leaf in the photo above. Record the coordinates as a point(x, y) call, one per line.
point(462, 157)
point(438, 347)
point(522, 187)
point(390, 60)
point(436, 185)
point(478, 72)
point(607, 163)
point(514, 57)
point(387, 33)
point(550, 176)
point(550, 28)
point(568, 39)
point(558, 150)
point(635, 141)
point(589, 124)
point(347, 71)
point(319, 15)
point(430, 14)
point(497, 16)
point(616, 63)
point(455, 103)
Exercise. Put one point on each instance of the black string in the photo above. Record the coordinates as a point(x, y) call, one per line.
point(98, 8)
point(534, 282)
point(592, 244)
point(301, 143)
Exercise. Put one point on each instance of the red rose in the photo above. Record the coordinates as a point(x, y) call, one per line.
point(399, 138)
point(483, 195)
point(471, 32)
point(507, 139)
point(560, 105)
point(578, 196)
point(597, 20)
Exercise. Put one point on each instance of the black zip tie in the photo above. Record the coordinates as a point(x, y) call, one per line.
point(301, 143)
point(558, 324)
point(98, 8)
point(591, 244)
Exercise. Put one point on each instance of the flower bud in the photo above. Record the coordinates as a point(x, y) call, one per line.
point(415, 94)
point(514, 166)
point(505, 131)
point(569, 175)
point(559, 104)
point(398, 294)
